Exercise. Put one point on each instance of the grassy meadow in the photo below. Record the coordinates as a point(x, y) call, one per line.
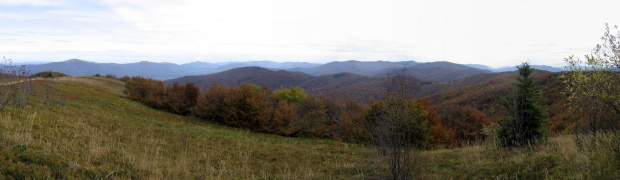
point(85, 128)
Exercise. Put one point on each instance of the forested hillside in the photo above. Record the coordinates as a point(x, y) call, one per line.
point(479, 92)
point(354, 87)
point(475, 91)
point(434, 71)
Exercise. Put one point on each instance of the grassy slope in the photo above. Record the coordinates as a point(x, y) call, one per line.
point(98, 133)
point(561, 157)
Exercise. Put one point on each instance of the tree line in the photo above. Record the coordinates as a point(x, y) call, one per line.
point(291, 112)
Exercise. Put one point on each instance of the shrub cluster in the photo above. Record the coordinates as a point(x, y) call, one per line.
point(466, 123)
point(48, 74)
point(286, 111)
point(176, 98)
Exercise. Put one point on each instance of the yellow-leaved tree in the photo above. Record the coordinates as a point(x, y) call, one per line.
point(593, 83)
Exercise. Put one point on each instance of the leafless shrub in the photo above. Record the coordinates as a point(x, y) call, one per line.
point(51, 99)
point(62, 101)
point(48, 95)
point(400, 85)
point(396, 128)
point(184, 140)
point(15, 85)
point(111, 76)
point(5, 96)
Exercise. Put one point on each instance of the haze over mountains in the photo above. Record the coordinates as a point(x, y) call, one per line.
point(362, 89)
point(76, 67)
point(432, 71)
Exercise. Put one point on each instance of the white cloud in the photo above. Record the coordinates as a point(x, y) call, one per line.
point(33, 2)
point(495, 33)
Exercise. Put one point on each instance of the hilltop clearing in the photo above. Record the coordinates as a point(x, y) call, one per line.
point(83, 127)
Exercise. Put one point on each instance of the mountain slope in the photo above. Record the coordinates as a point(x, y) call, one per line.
point(430, 88)
point(342, 86)
point(352, 66)
point(268, 64)
point(72, 67)
point(434, 71)
point(85, 129)
point(539, 67)
point(480, 66)
point(484, 93)
point(255, 75)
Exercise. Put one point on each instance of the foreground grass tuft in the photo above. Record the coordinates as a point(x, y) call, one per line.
point(562, 157)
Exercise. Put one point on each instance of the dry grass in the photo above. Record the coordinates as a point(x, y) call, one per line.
point(561, 157)
point(100, 134)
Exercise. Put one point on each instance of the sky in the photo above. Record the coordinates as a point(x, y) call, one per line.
point(489, 32)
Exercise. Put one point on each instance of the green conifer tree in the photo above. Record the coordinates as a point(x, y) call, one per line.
point(524, 123)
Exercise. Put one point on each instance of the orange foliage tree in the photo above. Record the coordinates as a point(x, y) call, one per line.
point(257, 108)
point(469, 123)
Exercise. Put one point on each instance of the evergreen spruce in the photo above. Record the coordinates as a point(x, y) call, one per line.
point(524, 124)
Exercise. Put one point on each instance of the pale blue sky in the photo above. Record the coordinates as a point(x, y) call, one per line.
point(494, 33)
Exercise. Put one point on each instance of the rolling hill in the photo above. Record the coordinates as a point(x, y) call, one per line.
point(434, 71)
point(352, 66)
point(347, 85)
point(254, 75)
point(484, 93)
point(430, 88)
point(85, 128)
point(333, 86)
point(344, 86)
point(477, 90)
point(431, 71)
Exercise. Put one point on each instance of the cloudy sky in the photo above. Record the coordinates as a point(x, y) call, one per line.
point(491, 32)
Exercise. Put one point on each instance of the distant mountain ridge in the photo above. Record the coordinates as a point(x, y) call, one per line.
point(76, 67)
point(161, 71)
point(539, 67)
point(353, 66)
point(514, 68)
point(434, 71)
point(347, 86)
point(431, 71)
